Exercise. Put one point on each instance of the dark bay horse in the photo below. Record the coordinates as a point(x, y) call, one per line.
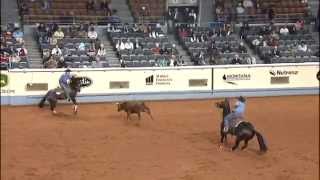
point(53, 95)
point(244, 131)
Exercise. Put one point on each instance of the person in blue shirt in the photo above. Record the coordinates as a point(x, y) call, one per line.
point(231, 119)
point(64, 82)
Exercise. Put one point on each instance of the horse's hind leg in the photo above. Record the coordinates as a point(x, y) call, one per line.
point(238, 140)
point(245, 144)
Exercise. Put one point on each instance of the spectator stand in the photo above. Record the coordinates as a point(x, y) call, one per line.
point(212, 46)
point(274, 44)
point(13, 51)
point(142, 45)
point(76, 48)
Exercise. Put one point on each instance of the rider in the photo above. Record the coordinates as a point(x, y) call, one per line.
point(236, 114)
point(64, 82)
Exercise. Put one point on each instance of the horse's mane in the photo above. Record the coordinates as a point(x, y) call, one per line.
point(74, 82)
point(227, 106)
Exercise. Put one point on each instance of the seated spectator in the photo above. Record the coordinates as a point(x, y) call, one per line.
point(236, 60)
point(302, 47)
point(299, 25)
point(257, 41)
point(14, 59)
point(18, 35)
point(51, 63)
point(247, 4)
point(193, 16)
point(57, 35)
point(128, 45)
point(156, 50)
point(22, 52)
point(251, 60)
point(92, 34)
point(226, 48)
point(284, 31)
point(56, 51)
point(46, 4)
point(82, 46)
point(101, 52)
point(240, 9)
point(137, 44)
point(164, 50)
point(276, 52)
point(242, 48)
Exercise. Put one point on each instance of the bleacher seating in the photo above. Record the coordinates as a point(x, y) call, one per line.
point(143, 56)
point(274, 47)
point(224, 48)
point(72, 55)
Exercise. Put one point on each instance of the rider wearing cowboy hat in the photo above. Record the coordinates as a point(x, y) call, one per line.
point(236, 114)
point(64, 82)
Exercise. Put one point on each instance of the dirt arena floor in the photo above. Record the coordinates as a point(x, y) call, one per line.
point(180, 144)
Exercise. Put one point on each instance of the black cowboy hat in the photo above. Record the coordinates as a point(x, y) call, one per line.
point(242, 99)
point(67, 70)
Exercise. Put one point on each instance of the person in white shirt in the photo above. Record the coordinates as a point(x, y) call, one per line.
point(127, 45)
point(92, 34)
point(284, 31)
point(302, 47)
point(247, 4)
point(122, 46)
point(240, 9)
point(56, 51)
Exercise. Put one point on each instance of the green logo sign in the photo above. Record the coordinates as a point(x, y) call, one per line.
point(3, 80)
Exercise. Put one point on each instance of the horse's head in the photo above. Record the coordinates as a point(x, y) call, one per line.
point(75, 83)
point(225, 105)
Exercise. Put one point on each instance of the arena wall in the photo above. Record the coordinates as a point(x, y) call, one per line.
point(27, 86)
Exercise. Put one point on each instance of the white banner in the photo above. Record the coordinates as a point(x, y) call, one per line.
point(119, 81)
point(265, 77)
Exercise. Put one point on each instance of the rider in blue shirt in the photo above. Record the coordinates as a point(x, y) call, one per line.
point(237, 113)
point(64, 82)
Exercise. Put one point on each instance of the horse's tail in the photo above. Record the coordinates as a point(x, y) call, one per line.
point(262, 142)
point(43, 100)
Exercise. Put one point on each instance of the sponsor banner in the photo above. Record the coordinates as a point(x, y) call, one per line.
point(121, 81)
point(5, 84)
point(265, 77)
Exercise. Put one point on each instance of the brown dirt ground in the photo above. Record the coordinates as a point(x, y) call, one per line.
point(180, 144)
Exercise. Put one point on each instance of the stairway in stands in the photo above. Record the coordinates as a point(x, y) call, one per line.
point(34, 55)
point(111, 56)
point(123, 10)
point(182, 52)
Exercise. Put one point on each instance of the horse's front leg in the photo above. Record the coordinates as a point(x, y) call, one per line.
point(75, 105)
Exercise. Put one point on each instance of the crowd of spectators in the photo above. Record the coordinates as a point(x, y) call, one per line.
point(213, 45)
point(77, 46)
point(282, 43)
point(143, 45)
point(13, 51)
